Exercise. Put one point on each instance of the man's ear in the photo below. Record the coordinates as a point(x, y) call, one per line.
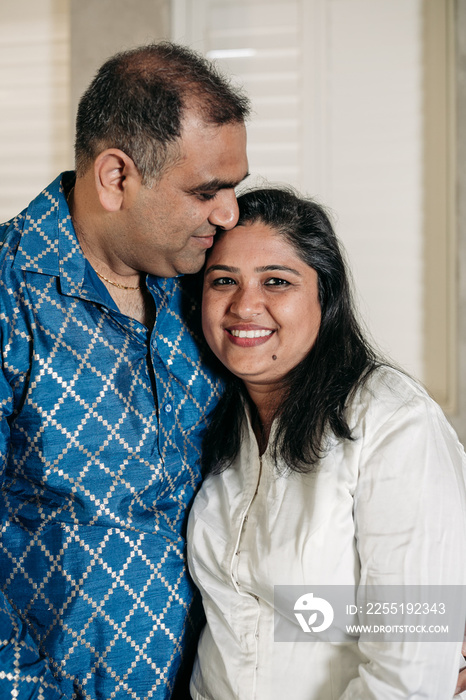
point(116, 179)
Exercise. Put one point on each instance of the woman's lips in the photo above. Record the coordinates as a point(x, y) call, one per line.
point(249, 337)
point(260, 333)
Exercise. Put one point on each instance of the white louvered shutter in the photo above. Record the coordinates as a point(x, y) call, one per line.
point(34, 96)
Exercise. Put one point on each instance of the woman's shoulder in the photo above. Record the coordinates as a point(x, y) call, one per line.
point(391, 384)
point(389, 395)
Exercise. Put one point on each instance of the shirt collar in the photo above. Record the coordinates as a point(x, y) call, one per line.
point(48, 242)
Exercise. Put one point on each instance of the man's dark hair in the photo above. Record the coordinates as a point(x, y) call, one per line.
point(137, 102)
point(317, 390)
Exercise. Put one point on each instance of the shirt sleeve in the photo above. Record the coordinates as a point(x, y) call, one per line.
point(410, 517)
point(24, 674)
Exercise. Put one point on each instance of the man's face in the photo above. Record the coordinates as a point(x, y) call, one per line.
point(172, 224)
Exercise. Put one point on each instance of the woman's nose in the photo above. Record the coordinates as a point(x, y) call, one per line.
point(247, 302)
point(225, 212)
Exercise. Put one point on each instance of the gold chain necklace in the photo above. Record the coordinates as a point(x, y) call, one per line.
point(116, 284)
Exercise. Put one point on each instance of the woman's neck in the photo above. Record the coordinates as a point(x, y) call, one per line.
point(264, 404)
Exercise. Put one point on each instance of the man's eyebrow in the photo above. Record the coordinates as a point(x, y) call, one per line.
point(217, 184)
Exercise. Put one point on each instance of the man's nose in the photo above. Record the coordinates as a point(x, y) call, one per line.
point(225, 212)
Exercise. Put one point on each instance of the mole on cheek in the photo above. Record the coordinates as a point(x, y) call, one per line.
point(274, 357)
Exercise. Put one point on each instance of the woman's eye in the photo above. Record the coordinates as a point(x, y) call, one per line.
point(222, 281)
point(277, 282)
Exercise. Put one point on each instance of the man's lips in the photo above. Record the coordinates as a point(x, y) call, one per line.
point(205, 241)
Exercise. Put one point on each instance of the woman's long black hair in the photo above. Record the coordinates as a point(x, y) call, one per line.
point(317, 389)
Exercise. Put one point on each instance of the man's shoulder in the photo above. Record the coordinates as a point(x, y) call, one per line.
point(10, 235)
point(34, 230)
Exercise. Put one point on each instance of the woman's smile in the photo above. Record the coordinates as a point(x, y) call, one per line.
point(248, 336)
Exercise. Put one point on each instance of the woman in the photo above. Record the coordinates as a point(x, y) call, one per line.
point(327, 468)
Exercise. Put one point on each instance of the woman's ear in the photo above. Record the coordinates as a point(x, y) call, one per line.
point(116, 177)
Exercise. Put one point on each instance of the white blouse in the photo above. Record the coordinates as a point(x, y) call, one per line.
point(386, 508)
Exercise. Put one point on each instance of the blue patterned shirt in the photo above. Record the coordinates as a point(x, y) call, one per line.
point(101, 423)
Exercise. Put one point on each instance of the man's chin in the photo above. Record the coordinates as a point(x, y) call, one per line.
point(190, 267)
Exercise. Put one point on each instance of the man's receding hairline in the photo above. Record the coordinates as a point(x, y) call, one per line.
point(178, 81)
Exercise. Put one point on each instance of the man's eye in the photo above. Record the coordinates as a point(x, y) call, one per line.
point(206, 196)
point(277, 282)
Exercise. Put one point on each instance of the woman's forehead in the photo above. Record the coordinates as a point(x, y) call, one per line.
point(249, 241)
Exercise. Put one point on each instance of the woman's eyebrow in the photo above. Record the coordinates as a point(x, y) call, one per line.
point(224, 268)
point(264, 268)
point(282, 268)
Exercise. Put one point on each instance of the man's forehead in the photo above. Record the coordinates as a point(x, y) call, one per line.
point(196, 128)
point(214, 155)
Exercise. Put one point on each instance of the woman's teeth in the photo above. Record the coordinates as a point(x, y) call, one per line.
point(251, 334)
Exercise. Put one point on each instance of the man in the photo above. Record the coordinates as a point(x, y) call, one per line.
point(103, 393)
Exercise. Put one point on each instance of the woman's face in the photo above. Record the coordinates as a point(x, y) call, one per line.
point(260, 309)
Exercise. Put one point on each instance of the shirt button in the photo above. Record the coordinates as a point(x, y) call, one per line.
point(237, 553)
point(167, 408)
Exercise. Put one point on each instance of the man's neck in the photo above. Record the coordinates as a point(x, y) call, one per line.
point(128, 291)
